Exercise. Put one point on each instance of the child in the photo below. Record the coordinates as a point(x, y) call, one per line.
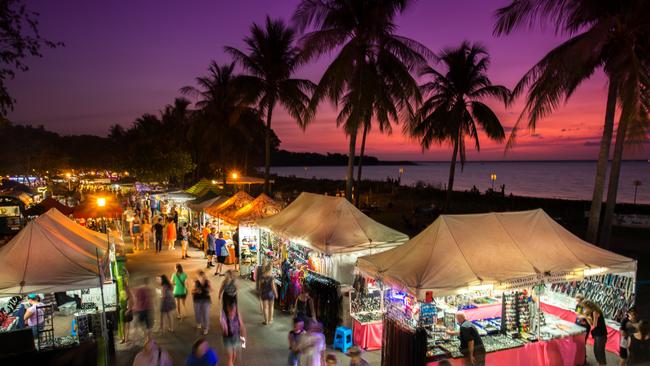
point(294, 336)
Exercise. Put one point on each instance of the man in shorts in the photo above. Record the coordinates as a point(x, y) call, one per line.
point(222, 254)
point(212, 242)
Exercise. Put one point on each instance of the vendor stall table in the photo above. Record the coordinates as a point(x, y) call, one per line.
point(367, 335)
point(613, 334)
point(567, 351)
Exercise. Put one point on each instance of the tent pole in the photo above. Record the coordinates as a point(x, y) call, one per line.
point(103, 314)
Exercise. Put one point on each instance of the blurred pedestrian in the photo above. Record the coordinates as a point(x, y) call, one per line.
point(221, 250)
point(152, 355)
point(171, 234)
point(235, 242)
point(628, 328)
point(228, 289)
point(146, 233)
point(268, 293)
point(312, 345)
point(202, 354)
point(233, 331)
point(167, 304)
point(127, 313)
point(179, 280)
point(640, 345)
point(158, 230)
point(183, 237)
point(136, 229)
point(143, 306)
point(294, 340)
point(596, 320)
point(202, 302)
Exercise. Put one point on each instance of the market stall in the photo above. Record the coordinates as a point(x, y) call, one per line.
point(47, 204)
point(314, 242)
point(261, 207)
point(466, 262)
point(221, 212)
point(203, 187)
point(53, 254)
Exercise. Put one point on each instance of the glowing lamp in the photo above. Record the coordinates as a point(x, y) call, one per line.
point(235, 175)
point(101, 201)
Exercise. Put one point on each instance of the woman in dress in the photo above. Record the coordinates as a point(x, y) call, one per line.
point(179, 280)
point(596, 320)
point(171, 234)
point(228, 289)
point(304, 306)
point(146, 233)
point(639, 347)
point(268, 293)
point(233, 331)
point(167, 304)
point(201, 298)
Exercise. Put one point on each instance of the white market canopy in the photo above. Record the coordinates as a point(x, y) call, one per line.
point(331, 225)
point(51, 254)
point(461, 251)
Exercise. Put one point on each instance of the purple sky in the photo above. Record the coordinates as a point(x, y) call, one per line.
point(125, 58)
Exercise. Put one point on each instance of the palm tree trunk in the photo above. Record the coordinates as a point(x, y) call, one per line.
point(267, 140)
point(612, 190)
point(222, 157)
point(452, 172)
point(360, 166)
point(350, 175)
point(601, 167)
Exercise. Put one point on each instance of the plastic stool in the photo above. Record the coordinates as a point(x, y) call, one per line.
point(343, 338)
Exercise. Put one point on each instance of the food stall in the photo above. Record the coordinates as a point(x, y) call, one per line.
point(500, 269)
point(222, 212)
point(314, 242)
point(53, 254)
point(262, 206)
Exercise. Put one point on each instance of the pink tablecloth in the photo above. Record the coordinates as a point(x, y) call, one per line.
point(569, 351)
point(613, 335)
point(367, 336)
point(483, 312)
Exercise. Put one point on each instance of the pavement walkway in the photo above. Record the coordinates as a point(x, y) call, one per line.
point(265, 345)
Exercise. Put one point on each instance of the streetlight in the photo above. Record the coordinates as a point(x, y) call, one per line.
point(234, 175)
point(493, 178)
point(101, 201)
point(636, 184)
point(68, 176)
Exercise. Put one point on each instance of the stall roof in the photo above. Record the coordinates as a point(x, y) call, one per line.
point(229, 206)
point(331, 225)
point(51, 254)
point(459, 251)
point(261, 207)
point(202, 187)
point(180, 196)
point(47, 204)
point(207, 200)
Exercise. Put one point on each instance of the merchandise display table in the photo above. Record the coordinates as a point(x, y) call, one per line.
point(367, 335)
point(613, 334)
point(568, 351)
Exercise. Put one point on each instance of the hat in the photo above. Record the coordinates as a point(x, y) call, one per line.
point(32, 297)
point(354, 351)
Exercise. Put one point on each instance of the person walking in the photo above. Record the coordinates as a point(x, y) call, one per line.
point(639, 346)
point(167, 304)
point(235, 242)
point(152, 355)
point(628, 328)
point(596, 320)
point(268, 293)
point(127, 315)
point(294, 340)
point(222, 253)
point(202, 302)
point(471, 345)
point(34, 315)
point(212, 243)
point(146, 233)
point(312, 345)
point(233, 331)
point(179, 280)
point(158, 229)
point(183, 237)
point(304, 305)
point(228, 289)
point(202, 354)
point(581, 320)
point(136, 230)
point(171, 234)
point(143, 306)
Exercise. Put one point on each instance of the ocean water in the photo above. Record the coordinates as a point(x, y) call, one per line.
point(549, 179)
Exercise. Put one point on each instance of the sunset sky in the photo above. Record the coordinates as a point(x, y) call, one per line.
point(125, 58)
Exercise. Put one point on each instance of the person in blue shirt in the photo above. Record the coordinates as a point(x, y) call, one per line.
point(222, 254)
point(202, 354)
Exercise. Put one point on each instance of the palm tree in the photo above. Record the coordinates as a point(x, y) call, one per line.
point(611, 35)
point(271, 61)
point(223, 99)
point(454, 106)
point(369, 52)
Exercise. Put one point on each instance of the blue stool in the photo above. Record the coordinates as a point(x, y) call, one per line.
point(343, 338)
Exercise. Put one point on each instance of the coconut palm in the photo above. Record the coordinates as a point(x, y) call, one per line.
point(271, 59)
point(370, 57)
point(454, 106)
point(608, 35)
point(223, 98)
